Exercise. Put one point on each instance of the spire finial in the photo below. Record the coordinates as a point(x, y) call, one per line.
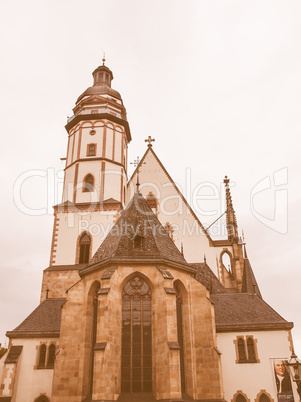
point(182, 249)
point(149, 140)
point(231, 217)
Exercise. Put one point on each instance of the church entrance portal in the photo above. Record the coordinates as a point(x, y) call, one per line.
point(136, 358)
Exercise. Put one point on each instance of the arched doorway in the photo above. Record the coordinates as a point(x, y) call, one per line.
point(136, 357)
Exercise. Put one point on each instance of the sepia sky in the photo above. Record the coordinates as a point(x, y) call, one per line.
point(216, 83)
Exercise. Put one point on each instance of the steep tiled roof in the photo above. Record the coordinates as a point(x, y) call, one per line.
point(249, 283)
point(138, 222)
point(14, 354)
point(244, 311)
point(207, 278)
point(45, 320)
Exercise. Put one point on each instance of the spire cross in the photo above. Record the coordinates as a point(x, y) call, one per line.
point(149, 140)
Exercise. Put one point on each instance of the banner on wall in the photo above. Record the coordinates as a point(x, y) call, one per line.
point(283, 381)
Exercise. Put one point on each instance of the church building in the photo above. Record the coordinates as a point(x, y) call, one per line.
point(138, 303)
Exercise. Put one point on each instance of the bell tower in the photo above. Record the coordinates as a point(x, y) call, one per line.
point(98, 136)
point(95, 181)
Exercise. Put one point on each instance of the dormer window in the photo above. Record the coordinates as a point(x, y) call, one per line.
point(91, 150)
point(137, 243)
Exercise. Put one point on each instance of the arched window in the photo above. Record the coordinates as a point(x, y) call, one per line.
point(136, 355)
point(251, 350)
point(240, 398)
point(88, 183)
point(84, 248)
point(179, 302)
point(264, 398)
point(241, 350)
point(226, 259)
point(51, 356)
point(42, 356)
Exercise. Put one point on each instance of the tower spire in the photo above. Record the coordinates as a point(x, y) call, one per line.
point(230, 212)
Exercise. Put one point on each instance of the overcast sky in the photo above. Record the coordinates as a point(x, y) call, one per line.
point(217, 83)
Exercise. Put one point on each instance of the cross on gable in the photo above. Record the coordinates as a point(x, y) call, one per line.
point(149, 140)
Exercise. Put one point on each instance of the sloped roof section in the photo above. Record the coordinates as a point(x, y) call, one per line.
point(249, 283)
point(207, 278)
point(244, 311)
point(138, 236)
point(45, 320)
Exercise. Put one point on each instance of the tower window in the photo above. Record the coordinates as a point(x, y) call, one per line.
point(92, 132)
point(84, 248)
point(95, 111)
point(88, 183)
point(91, 150)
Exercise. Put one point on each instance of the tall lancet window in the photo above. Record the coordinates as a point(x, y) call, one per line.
point(84, 248)
point(42, 357)
point(180, 334)
point(241, 350)
point(136, 356)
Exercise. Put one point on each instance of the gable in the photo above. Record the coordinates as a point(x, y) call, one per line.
point(175, 210)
